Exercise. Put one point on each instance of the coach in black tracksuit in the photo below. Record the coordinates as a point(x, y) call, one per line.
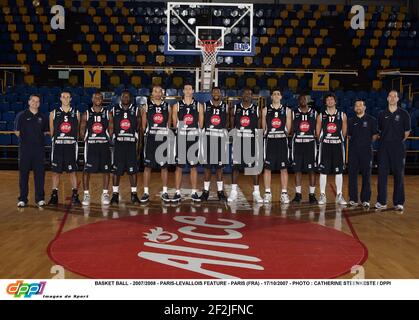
point(31, 126)
point(393, 128)
point(362, 131)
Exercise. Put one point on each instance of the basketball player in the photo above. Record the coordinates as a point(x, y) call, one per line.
point(156, 117)
point(186, 114)
point(246, 120)
point(304, 147)
point(96, 129)
point(331, 131)
point(126, 124)
point(276, 123)
point(64, 123)
point(214, 121)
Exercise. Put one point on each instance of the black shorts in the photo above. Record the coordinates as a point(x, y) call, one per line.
point(248, 153)
point(124, 158)
point(215, 150)
point(64, 157)
point(97, 157)
point(276, 153)
point(303, 156)
point(154, 149)
point(187, 148)
point(331, 158)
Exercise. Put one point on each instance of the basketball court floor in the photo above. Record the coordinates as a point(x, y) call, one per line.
point(207, 240)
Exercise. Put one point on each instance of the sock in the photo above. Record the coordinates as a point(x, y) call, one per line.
point(268, 190)
point(284, 191)
point(323, 181)
point(105, 191)
point(256, 188)
point(133, 189)
point(312, 189)
point(206, 185)
point(164, 189)
point(74, 190)
point(234, 187)
point(86, 191)
point(298, 189)
point(146, 190)
point(339, 182)
point(220, 185)
point(178, 191)
point(115, 189)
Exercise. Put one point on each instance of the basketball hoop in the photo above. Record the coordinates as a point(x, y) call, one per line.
point(209, 49)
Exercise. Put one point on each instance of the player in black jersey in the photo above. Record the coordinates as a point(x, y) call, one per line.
point(331, 131)
point(156, 119)
point(246, 120)
point(304, 147)
point(96, 129)
point(214, 121)
point(186, 114)
point(276, 124)
point(64, 126)
point(126, 126)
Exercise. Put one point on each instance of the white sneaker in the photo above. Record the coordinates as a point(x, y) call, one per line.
point(233, 196)
point(380, 206)
point(41, 203)
point(353, 203)
point(399, 207)
point(105, 199)
point(366, 204)
point(267, 197)
point(256, 197)
point(340, 200)
point(322, 199)
point(86, 199)
point(285, 199)
point(21, 204)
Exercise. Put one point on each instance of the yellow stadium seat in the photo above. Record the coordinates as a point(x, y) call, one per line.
point(282, 41)
point(360, 33)
point(51, 37)
point(11, 27)
point(286, 61)
point(370, 52)
point(325, 62)
point(46, 28)
point(124, 11)
point(312, 51)
point(120, 4)
point(284, 14)
point(385, 63)
point(392, 43)
point(29, 28)
point(388, 53)
point(324, 32)
point(18, 46)
point(403, 9)
point(318, 42)
point(374, 43)
point(21, 57)
point(267, 60)
point(136, 81)
point(258, 49)
point(84, 28)
point(160, 59)
point(133, 48)
point(145, 38)
point(368, 16)
point(102, 28)
point(140, 59)
point(43, 19)
point(263, 40)
point(306, 7)
point(108, 11)
point(340, 8)
point(26, 19)
point(387, 8)
point(90, 38)
point(334, 84)
point(270, 31)
point(356, 42)
point(120, 28)
point(178, 82)
point(108, 38)
point(366, 63)
point(384, 16)
point(37, 47)
point(251, 82)
point(293, 84)
point(401, 16)
point(395, 34)
point(248, 61)
point(306, 61)
point(14, 37)
point(8, 19)
point(306, 32)
point(82, 58)
point(347, 24)
point(295, 23)
point(126, 38)
point(289, 32)
point(312, 23)
point(114, 47)
point(381, 24)
point(76, 47)
point(274, 50)
point(115, 80)
point(114, 20)
point(272, 83)
point(378, 33)
point(29, 79)
point(300, 14)
point(317, 15)
point(96, 48)
point(289, 7)
point(331, 52)
point(138, 29)
point(131, 20)
point(152, 48)
point(277, 23)
point(101, 58)
point(68, 3)
point(121, 59)
point(300, 41)
point(371, 8)
point(293, 51)
point(41, 58)
point(230, 82)
point(97, 19)
point(322, 7)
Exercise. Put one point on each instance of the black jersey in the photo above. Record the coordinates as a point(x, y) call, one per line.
point(246, 118)
point(97, 126)
point(125, 123)
point(188, 114)
point(157, 116)
point(331, 130)
point(276, 122)
point(215, 116)
point(304, 124)
point(65, 126)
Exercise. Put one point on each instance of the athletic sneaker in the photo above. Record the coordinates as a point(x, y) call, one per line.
point(285, 199)
point(204, 195)
point(297, 198)
point(115, 198)
point(267, 198)
point(105, 199)
point(165, 197)
point(53, 201)
point(380, 206)
point(366, 204)
point(256, 197)
point(312, 198)
point(340, 200)
point(233, 196)
point(145, 198)
point(399, 207)
point(221, 196)
point(86, 199)
point(195, 197)
point(353, 203)
point(21, 204)
point(177, 197)
point(134, 198)
point(41, 203)
point(322, 199)
point(75, 198)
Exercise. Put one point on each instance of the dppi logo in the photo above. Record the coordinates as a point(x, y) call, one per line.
point(27, 290)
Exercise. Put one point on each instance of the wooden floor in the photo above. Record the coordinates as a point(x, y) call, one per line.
point(392, 238)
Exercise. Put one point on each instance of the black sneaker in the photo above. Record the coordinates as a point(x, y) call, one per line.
point(297, 198)
point(165, 197)
point(221, 196)
point(53, 201)
point(134, 198)
point(75, 198)
point(195, 197)
point(204, 196)
point(312, 199)
point(176, 198)
point(145, 198)
point(115, 198)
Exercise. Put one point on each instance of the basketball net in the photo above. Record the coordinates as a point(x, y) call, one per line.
point(209, 49)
